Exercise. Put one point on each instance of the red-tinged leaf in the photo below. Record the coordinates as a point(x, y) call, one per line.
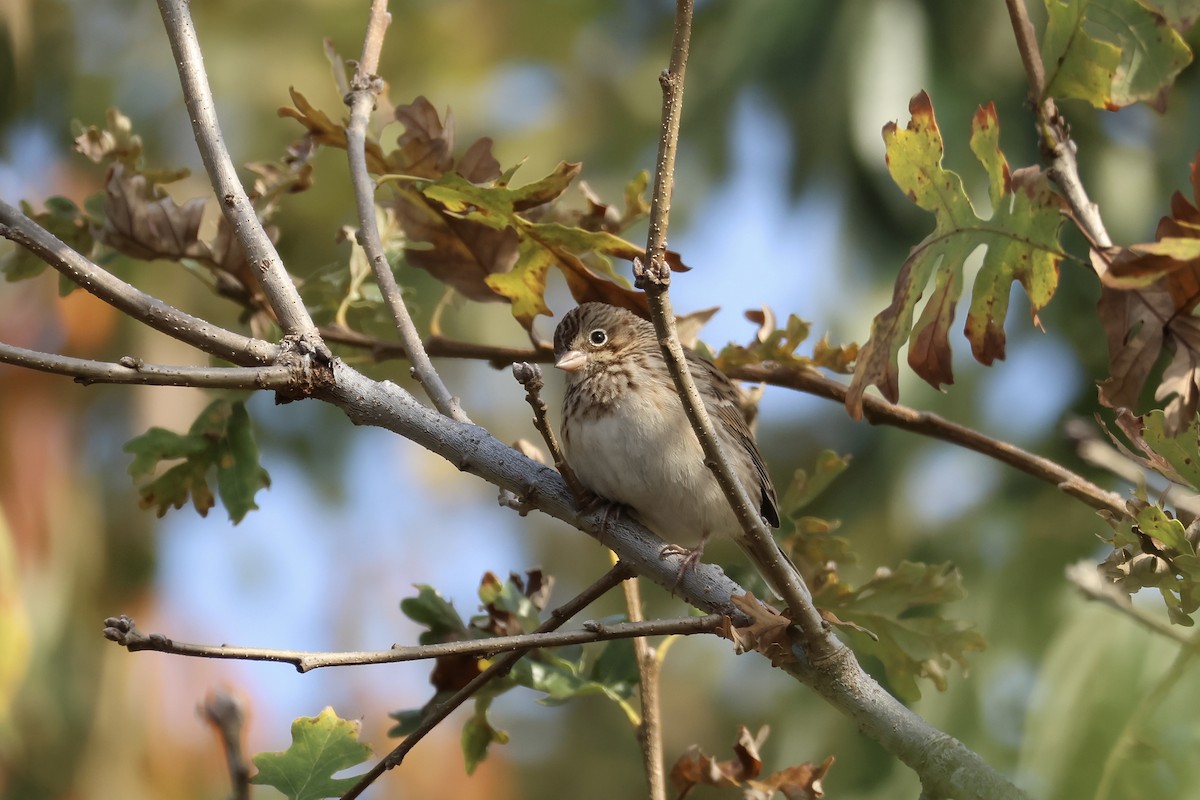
point(1020, 241)
point(1111, 53)
point(478, 165)
point(546, 190)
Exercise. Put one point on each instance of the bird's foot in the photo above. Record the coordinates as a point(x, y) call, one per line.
point(690, 559)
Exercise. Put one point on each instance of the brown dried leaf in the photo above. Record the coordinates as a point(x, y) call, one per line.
point(115, 142)
point(688, 326)
point(427, 145)
point(696, 768)
point(142, 221)
point(767, 632)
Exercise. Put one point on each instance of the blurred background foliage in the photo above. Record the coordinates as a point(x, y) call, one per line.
point(782, 198)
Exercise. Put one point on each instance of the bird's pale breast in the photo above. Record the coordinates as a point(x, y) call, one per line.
point(649, 459)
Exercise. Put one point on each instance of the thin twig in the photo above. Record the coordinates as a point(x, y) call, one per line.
point(654, 277)
point(224, 712)
point(277, 285)
point(124, 632)
point(199, 333)
point(132, 370)
point(880, 412)
point(364, 87)
point(650, 731)
point(530, 376)
point(499, 668)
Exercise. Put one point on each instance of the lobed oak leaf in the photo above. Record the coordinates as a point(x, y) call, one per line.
point(767, 632)
point(895, 608)
point(1020, 241)
point(321, 747)
point(142, 221)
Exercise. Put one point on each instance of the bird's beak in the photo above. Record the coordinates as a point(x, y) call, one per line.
point(571, 360)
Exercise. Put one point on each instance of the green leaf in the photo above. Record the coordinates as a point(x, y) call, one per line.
point(803, 489)
point(910, 641)
point(1111, 53)
point(433, 611)
point(220, 439)
point(1020, 241)
point(616, 667)
point(1181, 452)
point(478, 735)
point(525, 286)
point(61, 218)
point(321, 746)
point(239, 475)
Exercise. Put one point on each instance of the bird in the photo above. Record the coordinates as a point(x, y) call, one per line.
point(626, 436)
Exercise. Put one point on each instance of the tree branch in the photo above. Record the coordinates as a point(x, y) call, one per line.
point(277, 285)
point(124, 632)
point(1058, 151)
point(199, 333)
point(499, 668)
point(364, 87)
point(880, 412)
point(876, 410)
point(654, 277)
point(939, 759)
point(132, 370)
point(650, 730)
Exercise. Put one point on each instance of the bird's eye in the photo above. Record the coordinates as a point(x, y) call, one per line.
point(598, 337)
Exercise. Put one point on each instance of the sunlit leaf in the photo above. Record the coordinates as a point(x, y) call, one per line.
point(1020, 241)
point(321, 746)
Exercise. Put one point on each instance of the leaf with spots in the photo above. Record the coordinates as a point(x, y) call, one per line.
point(1020, 242)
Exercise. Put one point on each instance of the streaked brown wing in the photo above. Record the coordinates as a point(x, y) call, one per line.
point(725, 407)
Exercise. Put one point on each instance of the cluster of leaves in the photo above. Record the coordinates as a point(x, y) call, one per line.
point(135, 216)
point(220, 439)
point(1150, 294)
point(470, 229)
point(779, 345)
point(744, 771)
point(893, 617)
point(1151, 548)
point(512, 607)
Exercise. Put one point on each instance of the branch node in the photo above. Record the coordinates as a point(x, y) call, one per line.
point(131, 362)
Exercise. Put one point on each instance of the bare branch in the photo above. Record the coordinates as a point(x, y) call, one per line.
point(132, 370)
point(277, 285)
point(363, 89)
point(199, 333)
point(499, 668)
point(654, 277)
point(530, 376)
point(880, 412)
point(124, 632)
